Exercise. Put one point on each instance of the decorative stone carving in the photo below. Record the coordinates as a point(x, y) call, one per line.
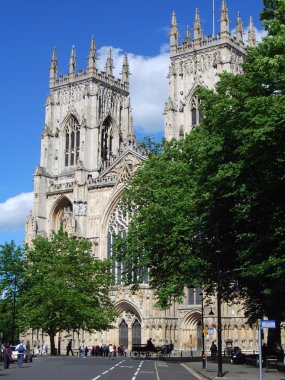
point(80, 208)
point(68, 221)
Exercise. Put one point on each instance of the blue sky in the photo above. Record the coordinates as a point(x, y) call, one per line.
point(28, 32)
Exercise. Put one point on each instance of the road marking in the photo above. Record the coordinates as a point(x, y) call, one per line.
point(137, 371)
point(193, 372)
point(104, 373)
point(126, 366)
point(156, 371)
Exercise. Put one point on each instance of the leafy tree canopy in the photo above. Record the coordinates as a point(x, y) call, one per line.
point(66, 288)
point(11, 279)
point(228, 172)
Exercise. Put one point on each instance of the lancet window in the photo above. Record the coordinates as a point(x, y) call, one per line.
point(72, 141)
point(106, 139)
point(196, 113)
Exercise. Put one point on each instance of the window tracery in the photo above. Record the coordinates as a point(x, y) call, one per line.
point(118, 226)
point(196, 113)
point(72, 141)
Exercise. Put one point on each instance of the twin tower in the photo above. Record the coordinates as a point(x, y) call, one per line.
point(197, 62)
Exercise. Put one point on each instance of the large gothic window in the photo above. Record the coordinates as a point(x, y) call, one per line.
point(72, 141)
point(196, 114)
point(118, 226)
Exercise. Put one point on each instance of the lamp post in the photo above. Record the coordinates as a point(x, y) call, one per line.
point(219, 304)
point(203, 335)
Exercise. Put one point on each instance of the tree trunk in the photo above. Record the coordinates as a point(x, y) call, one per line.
point(52, 344)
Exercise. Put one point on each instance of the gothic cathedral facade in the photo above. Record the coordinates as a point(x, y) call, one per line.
point(88, 154)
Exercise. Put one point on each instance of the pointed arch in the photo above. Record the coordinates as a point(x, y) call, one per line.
point(61, 209)
point(127, 306)
point(72, 140)
point(194, 106)
point(110, 138)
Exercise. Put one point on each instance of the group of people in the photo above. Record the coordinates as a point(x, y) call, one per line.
point(22, 351)
point(104, 350)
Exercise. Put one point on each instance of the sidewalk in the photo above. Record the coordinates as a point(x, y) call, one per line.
point(235, 371)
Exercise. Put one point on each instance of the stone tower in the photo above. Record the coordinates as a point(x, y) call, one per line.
point(197, 62)
point(88, 129)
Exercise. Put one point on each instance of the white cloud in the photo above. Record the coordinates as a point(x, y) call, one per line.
point(14, 211)
point(148, 85)
point(260, 33)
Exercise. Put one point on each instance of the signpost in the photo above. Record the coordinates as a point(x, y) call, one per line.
point(263, 324)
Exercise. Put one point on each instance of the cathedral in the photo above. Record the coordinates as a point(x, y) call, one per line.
point(89, 152)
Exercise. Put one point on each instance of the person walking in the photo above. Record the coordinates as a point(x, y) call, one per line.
point(69, 348)
point(7, 356)
point(21, 348)
point(214, 350)
point(111, 352)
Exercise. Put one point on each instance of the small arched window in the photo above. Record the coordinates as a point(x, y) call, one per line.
point(196, 113)
point(72, 141)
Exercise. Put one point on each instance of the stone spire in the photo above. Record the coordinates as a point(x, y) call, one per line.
point(197, 26)
point(173, 32)
point(239, 29)
point(125, 70)
point(188, 35)
point(251, 34)
point(109, 64)
point(53, 67)
point(92, 55)
point(72, 62)
point(225, 22)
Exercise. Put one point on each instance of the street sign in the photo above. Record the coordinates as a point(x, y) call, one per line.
point(211, 331)
point(268, 324)
point(205, 331)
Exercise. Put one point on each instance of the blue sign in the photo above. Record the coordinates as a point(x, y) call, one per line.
point(211, 331)
point(268, 324)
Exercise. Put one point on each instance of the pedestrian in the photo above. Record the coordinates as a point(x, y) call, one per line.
point(21, 348)
point(69, 348)
point(46, 349)
point(7, 356)
point(214, 350)
point(111, 352)
point(86, 351)
point(264, 352)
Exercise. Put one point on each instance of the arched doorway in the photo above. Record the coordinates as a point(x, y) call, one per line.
point(136, 332)
point(123, 334)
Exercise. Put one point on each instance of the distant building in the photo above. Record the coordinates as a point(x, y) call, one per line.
point(88, 154)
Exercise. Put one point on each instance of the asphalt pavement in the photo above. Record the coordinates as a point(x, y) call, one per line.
point(236, 371)
point(98, 368)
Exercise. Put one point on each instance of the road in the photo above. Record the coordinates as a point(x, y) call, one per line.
point(97, 368)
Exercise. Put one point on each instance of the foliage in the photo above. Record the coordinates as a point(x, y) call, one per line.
point(11, 277)
point(66, 288)
point(230, 171)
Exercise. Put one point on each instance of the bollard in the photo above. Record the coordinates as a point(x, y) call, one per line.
point(204, 361)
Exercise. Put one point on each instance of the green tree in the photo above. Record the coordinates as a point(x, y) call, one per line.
point(11, 277)
point(65, 287)
point(230, 171)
